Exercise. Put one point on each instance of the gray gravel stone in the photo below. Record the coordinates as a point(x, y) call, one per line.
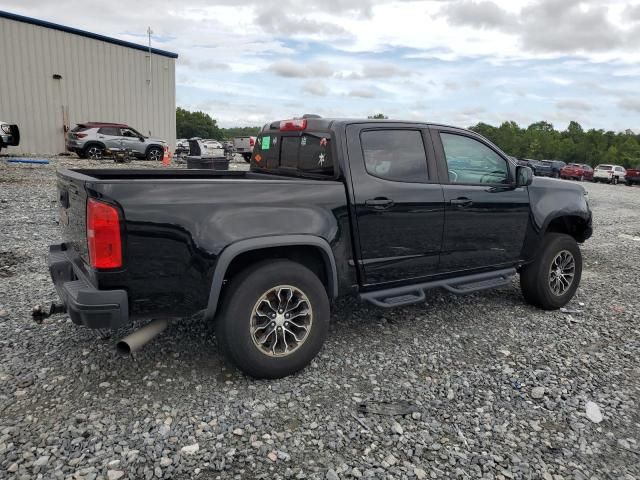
point(537, 392)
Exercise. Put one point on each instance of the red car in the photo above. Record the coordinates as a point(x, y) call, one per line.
point(632, 176)
point(577, 171)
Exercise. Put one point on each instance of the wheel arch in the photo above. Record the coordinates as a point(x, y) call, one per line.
point(309, 250)
point(573, 225)
point(153, 145)
point(92, 143)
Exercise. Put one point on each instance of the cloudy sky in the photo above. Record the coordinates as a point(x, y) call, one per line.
point(451, 61)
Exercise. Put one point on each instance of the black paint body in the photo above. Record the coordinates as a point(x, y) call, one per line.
point(179, 224)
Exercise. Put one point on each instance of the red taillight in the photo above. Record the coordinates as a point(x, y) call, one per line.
point(103, 235)
point(293, 125)
point(80, 135)
point(252, 141)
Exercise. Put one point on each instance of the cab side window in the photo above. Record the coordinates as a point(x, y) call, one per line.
point(470, 161)
point(396, 155)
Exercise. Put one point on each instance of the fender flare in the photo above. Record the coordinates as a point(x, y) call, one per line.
point(232, 251)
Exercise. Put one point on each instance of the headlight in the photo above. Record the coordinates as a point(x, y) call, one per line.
point(6, 128)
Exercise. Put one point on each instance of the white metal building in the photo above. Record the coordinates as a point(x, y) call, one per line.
point(52, 77)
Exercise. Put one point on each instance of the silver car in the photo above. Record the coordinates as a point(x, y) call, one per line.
point(90, 140)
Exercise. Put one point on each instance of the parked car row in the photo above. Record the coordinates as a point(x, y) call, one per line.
point(613, 174)
point(240, 145)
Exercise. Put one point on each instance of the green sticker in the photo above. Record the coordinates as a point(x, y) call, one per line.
point(266, 143)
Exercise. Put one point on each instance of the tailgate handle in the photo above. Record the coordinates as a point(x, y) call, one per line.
point(64, 199)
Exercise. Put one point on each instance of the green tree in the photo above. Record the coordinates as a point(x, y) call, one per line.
point(196, 124)
point(541, 140)
point(229, 133)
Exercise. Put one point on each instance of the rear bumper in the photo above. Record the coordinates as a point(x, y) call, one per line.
point(73, 147)
point(85, 304)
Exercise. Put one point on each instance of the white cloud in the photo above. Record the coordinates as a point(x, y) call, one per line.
point(316, 88)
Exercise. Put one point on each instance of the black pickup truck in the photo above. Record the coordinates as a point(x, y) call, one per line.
point(384, 210)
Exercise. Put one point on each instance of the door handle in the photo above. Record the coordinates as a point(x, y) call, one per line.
point(461, 202)
point(379, 203)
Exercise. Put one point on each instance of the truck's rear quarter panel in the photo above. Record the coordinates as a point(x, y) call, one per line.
point(174, 231)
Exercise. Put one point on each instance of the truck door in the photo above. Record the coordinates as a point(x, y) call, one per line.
point(396, 201)
point(485, 215)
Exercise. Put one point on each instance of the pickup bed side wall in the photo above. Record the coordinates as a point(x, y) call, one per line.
point(550, 200)
point(176, 232)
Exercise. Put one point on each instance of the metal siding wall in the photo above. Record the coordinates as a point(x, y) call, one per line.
point(100, 82)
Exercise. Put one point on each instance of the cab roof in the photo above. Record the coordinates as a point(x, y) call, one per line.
point(315, 122)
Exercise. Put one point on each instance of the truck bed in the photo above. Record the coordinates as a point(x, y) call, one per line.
point(176, 222)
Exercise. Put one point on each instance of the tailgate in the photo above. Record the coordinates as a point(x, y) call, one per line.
point(72, 204)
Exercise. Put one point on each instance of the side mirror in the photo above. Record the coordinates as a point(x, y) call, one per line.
point(142, 139)
point(524, 176)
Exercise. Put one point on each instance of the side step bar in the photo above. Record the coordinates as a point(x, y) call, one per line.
point(410, 294)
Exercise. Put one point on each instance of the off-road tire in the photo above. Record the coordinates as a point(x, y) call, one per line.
point(534, 278)
point(233, 329)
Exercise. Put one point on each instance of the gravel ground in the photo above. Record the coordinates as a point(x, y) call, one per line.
point(495, 388)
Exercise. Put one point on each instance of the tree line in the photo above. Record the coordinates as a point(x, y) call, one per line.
point(574, 145)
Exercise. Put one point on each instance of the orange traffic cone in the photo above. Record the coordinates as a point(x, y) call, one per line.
point(166, 159)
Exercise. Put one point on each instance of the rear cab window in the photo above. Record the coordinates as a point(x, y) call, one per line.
point(298, 153)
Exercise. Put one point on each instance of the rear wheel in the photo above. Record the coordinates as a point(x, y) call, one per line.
point(154, 154)
point(93, 152)
point(275, 319)
point(552, 279)
point(629, 183)
point(614, 181)
point(247, 157)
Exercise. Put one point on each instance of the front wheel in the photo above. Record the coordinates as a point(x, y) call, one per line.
point(629, 183)
point(154, 154)
point(274, 320)
point(552, 279)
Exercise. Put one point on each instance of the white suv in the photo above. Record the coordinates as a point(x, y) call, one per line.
point(609, 173)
